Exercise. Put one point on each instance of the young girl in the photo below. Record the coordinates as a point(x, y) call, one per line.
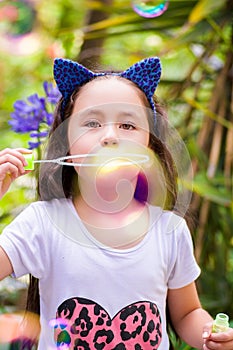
point(109, 264)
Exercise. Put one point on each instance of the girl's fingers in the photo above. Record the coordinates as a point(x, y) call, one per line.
point(12, 163)
point(220, 341)
point(210, 345)
point(14, 157)
point(8, 169)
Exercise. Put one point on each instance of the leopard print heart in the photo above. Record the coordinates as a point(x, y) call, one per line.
point(84, 324)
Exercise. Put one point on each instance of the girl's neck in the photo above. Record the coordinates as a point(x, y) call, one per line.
point(122, 229)
point(93, 213)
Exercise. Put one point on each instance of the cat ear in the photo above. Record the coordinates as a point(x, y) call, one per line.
point(146, 74)
point(69, 75)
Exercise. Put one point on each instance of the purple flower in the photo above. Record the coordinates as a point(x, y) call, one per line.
point(28, 116)
point(34, 115)
point(49, 118)
point(39, 135)
point(52, 93)
point(33, 145)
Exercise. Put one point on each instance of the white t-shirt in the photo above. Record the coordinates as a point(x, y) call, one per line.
point(92, 295)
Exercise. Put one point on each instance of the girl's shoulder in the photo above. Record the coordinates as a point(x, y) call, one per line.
point(167, 221)
point(168, 224)
point(56, 204)
point(39, 211)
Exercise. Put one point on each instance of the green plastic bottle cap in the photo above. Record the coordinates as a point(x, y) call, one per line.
point(221, 323)
point(30, 160)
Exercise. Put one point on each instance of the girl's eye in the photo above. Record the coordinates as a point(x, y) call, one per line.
point(127, 126)
point(93, 124)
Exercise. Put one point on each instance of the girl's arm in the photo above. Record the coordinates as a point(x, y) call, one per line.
point(6, 268)
point(192, 323)
point(12, 164)
point(187, 315)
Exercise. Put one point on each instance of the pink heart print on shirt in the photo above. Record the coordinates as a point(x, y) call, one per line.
point(83, 324)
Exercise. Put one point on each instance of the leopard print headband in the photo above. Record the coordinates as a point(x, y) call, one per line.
point(69, 75)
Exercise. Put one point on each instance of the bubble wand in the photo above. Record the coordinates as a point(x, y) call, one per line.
point(140, 159)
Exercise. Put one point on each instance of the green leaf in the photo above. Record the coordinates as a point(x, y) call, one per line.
point(211, 190)
point(203, 9)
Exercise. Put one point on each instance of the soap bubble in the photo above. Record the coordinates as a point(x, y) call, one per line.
point(19, 330)
point(105, 179)
point(149, 8)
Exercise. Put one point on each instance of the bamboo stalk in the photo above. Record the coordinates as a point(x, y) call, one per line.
point(212, 146)
point(204, 212)
point(208, 124)
point(195, 203)
point(216, 144)
point(228, 165)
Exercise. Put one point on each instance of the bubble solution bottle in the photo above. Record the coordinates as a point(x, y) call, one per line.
point(221, 323)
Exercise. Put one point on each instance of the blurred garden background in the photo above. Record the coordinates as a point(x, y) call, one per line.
point(194, 39)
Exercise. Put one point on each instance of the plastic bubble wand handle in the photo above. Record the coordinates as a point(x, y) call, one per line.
point(140, 158)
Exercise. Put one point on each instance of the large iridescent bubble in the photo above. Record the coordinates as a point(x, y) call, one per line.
point(108, 179)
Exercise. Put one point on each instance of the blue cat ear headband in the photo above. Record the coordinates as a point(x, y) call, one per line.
point(69, 75)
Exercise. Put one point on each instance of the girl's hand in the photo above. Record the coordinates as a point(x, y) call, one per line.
point(217, 341)
point(12, 164)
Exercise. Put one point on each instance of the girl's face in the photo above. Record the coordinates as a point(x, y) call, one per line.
point(107, 112)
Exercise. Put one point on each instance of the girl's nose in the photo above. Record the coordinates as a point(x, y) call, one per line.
point(109, 137)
